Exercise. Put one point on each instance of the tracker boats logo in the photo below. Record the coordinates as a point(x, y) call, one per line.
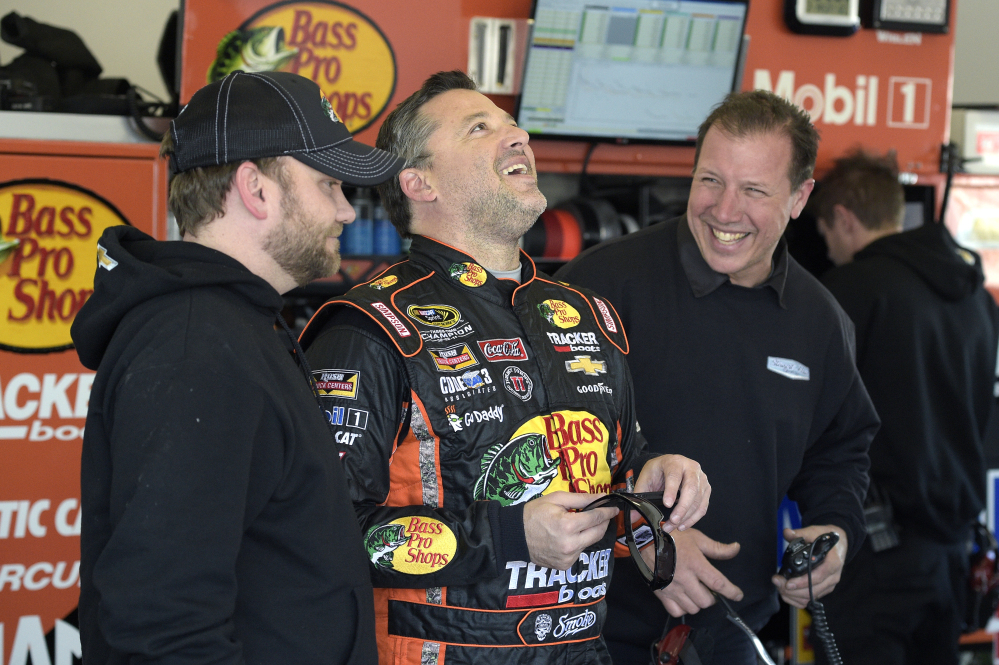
point(343, 51)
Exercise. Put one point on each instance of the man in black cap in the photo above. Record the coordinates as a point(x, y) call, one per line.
point(217, 526)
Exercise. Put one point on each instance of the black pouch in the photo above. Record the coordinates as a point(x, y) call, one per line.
point(881, 528)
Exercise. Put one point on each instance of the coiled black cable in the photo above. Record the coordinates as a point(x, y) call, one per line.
point(820, 626)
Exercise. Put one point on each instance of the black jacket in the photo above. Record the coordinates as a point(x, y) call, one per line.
point(758, 385)
point(465, 397)
point(926, 347)
point(217, 526)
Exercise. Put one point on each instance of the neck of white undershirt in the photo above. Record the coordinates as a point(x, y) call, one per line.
point(507, 274)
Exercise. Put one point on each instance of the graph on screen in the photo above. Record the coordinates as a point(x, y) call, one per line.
point(632, 70)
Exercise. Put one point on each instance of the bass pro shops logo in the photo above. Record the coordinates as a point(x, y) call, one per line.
point(566, 451)
point(414, 545)
point(48, 256)
point(343, 51)
point(559, 313)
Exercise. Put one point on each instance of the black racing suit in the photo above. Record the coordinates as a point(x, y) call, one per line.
point(456, 399)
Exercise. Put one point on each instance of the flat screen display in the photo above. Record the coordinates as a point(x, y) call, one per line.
point(629, 70)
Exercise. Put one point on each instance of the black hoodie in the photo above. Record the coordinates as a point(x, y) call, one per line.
point(927, 332)
point(217, 526)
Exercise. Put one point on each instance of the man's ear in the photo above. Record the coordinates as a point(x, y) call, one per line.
point(249, 184)
point(801, 197)
point(415, 185)
point(844, 218)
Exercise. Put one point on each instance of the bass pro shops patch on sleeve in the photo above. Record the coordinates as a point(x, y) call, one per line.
point(414, 545)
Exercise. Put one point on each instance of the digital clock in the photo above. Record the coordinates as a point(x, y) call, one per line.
point(822, 17)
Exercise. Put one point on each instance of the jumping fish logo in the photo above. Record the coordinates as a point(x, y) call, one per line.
point(382, 541)
point(254, 50)
point(516, 471)
point(329, 109)
point(6, 247)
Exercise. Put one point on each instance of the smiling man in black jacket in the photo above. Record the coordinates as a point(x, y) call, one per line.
point(217, 527)
point(743, 361)
point(926, 348)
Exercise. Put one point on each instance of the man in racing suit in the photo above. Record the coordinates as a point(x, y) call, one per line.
point(478, 405)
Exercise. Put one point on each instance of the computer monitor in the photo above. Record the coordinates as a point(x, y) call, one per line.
point(629, 70)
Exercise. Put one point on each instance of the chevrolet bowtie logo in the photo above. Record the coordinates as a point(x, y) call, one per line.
point(586, 365)
point(105, 261)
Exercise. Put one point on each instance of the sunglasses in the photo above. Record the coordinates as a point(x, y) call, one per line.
point(650, 506)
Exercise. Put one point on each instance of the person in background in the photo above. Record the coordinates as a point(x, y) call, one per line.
point(927, 331)
point(480, 405)
point(741, 359)
point(217, 525)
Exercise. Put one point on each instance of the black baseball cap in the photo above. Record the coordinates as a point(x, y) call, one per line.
point(267, 114)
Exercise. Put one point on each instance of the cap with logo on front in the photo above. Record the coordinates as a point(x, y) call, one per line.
point(267, 114)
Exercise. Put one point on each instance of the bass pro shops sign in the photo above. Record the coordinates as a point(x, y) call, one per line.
point(48, 255)
point(339, 48)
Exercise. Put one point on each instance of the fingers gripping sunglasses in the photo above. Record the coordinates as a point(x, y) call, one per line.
point(650, 506)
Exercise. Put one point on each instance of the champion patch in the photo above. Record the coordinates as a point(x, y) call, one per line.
point(792, 369)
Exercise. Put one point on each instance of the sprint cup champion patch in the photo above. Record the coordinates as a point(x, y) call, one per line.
point(414, 545)
point(337, 382)
point(438, 316)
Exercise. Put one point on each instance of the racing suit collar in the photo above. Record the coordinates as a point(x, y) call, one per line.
point(466, 273)
point(703, 280)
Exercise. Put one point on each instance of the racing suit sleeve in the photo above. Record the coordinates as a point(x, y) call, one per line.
point(831, 485)
point(486, 534)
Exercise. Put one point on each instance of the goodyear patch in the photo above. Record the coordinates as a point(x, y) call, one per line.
point(559, 313)
point(453, 358)
point(438, 316)
point(414, 545)
point(337, 382)
point(565, 450)
point(469, 274)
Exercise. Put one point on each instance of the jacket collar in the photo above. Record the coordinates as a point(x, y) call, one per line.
point(703, 280)
point(466, 273)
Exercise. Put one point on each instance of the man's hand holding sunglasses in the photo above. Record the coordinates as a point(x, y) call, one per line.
point(670, 474)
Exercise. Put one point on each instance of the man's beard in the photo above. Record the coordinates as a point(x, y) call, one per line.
point(504, 215)
point(298, 245)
